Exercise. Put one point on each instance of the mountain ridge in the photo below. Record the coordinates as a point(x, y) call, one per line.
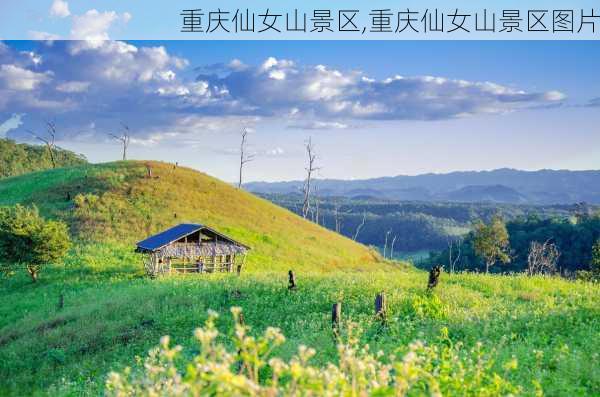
point(544, 186)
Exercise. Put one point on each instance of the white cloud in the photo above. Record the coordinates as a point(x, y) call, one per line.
point(151, 89)
point(60, 9)
point(279, 87)
point(274, 152)
point(319, 125)
point(94, 25)
point(73, 87)
point(14, 122)
point(43, 36)
point(17, 78)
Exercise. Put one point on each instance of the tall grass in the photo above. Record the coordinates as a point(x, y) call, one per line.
point(112, 313)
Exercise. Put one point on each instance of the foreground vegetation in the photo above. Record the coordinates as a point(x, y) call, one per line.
point(535, 332)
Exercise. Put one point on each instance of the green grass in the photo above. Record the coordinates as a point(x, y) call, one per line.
point(116, 202)
point(113, 313)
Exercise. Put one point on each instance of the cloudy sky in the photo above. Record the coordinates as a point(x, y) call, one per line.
point(371, 108)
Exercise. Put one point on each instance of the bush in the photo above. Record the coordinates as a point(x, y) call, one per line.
point(29, 241)
point(250, 370)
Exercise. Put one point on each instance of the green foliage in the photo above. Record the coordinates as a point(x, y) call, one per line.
point(426, 305)
point(118, 202)
point(595, 263)
point(26, 239)
point(17, 159)
point(113, 313)
point(491, 242)
point(443, 369)
point(574, 241)
point(418, 225)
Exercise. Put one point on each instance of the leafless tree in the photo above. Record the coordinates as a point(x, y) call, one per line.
point(245, 157)
point(542, 258)
point(360, 226)
point(392, 247)
point(124, 138)
point(454, 245)
point(337, 216)
point(49, 140)
point(310, 170)
point(387, 234)
point(317, 205)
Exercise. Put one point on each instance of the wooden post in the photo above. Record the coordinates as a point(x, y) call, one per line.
point(61, 301)
point(434, 277)
point(292, 281)
point(336, 317)
point(381, 307)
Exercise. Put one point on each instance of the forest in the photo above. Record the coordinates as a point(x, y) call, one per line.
point(574, 239)
point(419, 225)
point(20, 158)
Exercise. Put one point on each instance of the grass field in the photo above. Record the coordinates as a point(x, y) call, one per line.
point(113, 313)
point(542, 334)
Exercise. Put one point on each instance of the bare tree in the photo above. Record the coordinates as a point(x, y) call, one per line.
point(124, 138)
point(542, 258)
point(49, 140)
point(244, 156)
point(392, 247)
point(310, 169)
point(317, 205)
point(360, 226)
point(337, 216)
point(453, 260)
point(387, 234)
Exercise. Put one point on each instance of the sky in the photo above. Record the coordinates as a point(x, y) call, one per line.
point(371, 108)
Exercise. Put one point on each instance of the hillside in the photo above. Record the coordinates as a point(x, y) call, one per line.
point(534, 333)
point(502, 185)
point(120, 203)
point(20, 158)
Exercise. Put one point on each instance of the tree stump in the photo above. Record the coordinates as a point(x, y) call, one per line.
point(292, 281)
point(434, 277)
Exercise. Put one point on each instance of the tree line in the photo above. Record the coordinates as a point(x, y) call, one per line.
point(567, 246)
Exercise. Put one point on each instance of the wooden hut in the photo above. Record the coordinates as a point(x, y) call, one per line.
point(191, 248)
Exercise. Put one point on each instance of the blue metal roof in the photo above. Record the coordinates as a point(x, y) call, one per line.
point(168, 236)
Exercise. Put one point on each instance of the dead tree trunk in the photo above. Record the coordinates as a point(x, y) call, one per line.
point(360, 226)
point(124, 138)
point(385, 244)
point(310, 169)
point(244, 156)
point(392, 247)
point(49, 141)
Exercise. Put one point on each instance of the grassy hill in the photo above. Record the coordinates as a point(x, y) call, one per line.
point(120, 203)
point(21, 158)
point(539, 334)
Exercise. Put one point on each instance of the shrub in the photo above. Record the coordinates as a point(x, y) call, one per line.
point(28, 240)
point(251, 370)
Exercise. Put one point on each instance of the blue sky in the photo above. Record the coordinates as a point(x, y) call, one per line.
point(372, 108)
point(457, 105)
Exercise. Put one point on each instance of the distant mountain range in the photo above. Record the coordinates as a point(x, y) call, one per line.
point(503, 185)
